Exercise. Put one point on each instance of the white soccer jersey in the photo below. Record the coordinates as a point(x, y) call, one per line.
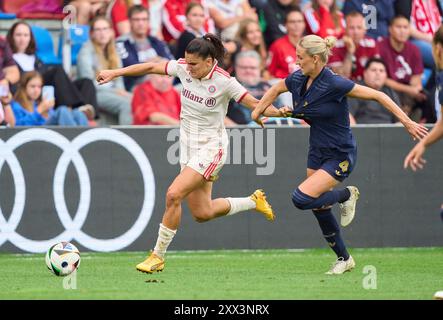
point(205, 102)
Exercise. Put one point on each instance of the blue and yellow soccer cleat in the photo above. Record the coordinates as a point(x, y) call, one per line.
point(152, 264)
point(262, 205)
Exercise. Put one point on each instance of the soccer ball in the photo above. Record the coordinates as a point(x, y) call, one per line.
point(438, 295)
point(63, 258)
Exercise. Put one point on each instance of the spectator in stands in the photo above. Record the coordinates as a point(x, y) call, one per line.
point(404, 63)
point(282, 53)
point(194, 27)
point(79, 94)
point(31, 109)
point(118, 12)
point(100, 53)
point(227, 15)
point(9, 72)
point(353, 50)
point(370, 111)
point(383, 11)
point(324, 19)
point(272, 16)
point(247, 71)
point(250, 37)
point(138, 46)
point(174, 17)
point(86, 9)
point(156, 102)
point(425, 19)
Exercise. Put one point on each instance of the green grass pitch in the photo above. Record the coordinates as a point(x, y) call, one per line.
point(400, 273)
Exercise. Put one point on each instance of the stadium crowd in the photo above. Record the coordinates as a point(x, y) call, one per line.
point(384, 44)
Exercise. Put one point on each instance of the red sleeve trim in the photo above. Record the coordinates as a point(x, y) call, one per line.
point(242, 96)
point(166, 68)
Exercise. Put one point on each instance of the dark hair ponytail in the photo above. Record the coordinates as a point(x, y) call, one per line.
point(207, 46)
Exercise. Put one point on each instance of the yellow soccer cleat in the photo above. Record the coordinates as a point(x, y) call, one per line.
point(152, 264)
point(262, 205)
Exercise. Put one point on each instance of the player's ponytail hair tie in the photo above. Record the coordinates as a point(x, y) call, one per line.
point(330, 42)
point(315, 45)
point(207, 46)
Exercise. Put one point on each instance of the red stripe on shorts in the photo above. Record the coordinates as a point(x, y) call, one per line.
point(213, 164)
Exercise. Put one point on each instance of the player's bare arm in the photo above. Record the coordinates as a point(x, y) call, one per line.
point(414, 159)
point(139, 69)
point(417, 131)
point(251, 102)
point(268, 99)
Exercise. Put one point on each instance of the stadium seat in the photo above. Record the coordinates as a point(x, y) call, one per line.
point(49, 10)
point(79, 35)
point(45, 46)
point(5, 16)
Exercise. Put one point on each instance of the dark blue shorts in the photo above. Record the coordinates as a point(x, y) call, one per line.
point(337, 163)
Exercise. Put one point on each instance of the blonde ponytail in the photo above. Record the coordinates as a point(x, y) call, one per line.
point(315, 45)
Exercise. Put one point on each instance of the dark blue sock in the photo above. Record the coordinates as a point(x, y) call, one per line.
point(304, 202)
point(331, 232)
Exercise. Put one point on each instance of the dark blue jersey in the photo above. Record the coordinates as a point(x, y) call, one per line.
point(324, 107)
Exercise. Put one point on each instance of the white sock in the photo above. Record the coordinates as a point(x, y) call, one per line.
point(240, 204)
point(165, 236)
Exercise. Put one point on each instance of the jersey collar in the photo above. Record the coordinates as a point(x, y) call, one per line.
point(209, 75)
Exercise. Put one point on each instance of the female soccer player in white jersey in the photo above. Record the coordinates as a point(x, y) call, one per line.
point(206, 92)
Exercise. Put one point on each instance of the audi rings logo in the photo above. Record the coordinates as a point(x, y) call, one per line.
point(70, 153)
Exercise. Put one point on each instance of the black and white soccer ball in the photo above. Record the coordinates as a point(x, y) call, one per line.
point(63, 258)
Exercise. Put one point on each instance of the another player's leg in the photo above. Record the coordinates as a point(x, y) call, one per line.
point(314, 194)
point(204, 208)
point(184, 183)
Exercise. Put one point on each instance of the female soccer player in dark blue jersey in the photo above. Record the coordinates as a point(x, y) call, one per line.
point(319, 97)
point(414, 159)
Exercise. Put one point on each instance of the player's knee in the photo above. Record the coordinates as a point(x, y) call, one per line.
point(201, 215)
point(173, 197)
point(301, 200)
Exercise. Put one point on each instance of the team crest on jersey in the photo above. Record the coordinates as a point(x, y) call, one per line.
point(212, 88)
point(188, 80)
point(210, 102)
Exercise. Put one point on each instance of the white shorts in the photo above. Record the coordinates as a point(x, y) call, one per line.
point(206, 160)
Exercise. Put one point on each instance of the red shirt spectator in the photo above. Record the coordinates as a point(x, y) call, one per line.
point(283, 57)
point(425, 16)
point(151, 106)
point(119, 13)
point(174, 17)
point(401, 65)
point(367, 48)
point(282, 53)
point(322, 23)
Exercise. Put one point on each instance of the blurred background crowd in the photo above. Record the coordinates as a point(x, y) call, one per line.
point(51, 50)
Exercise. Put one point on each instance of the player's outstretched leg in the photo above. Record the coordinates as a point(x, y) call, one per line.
point(262, 205)
point(331, 232)
point(183, 184)
point(256, 201)
point(156, 262)
point(347, 208)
